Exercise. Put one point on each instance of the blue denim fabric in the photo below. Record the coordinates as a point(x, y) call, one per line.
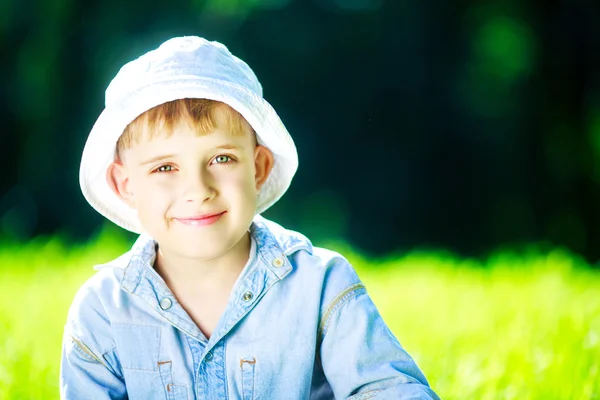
point(299, 325)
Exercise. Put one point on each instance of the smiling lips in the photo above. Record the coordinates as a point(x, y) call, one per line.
point(201, 220)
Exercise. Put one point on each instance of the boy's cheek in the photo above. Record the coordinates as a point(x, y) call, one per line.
point(130, 201)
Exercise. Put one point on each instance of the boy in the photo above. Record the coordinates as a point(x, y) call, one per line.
point(214, 301)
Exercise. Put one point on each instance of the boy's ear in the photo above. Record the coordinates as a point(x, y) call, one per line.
point(263, 163)
point(118, 181)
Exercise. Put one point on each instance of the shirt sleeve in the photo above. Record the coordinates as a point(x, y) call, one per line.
point(85, 374)
point(361, 358)
point(90, 367)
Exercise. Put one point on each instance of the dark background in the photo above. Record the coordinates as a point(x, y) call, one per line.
point(465, 125)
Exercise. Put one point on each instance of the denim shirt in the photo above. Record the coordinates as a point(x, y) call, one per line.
point(299, 324)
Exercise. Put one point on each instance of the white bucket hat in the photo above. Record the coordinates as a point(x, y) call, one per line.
point(184, 67)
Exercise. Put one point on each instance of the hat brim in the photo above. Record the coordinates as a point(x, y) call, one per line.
point(99, 150)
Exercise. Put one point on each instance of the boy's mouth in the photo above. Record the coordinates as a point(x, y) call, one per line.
point(201, 220)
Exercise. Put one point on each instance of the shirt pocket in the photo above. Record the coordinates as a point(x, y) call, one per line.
point(248, 365)
point(138, 348)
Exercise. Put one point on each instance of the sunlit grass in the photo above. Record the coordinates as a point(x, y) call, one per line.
point(524, 326)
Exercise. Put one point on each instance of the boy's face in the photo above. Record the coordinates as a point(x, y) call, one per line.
point(195, 195)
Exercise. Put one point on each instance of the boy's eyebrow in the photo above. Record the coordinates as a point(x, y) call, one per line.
point(166, 156)
point(226, 147)
point(156, 159)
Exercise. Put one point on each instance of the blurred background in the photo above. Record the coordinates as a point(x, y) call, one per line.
point(460, 125)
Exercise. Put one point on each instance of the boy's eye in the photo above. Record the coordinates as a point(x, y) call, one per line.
point(221, 159)
point(164, 168)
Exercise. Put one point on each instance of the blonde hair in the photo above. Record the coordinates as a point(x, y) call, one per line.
point(201, 114)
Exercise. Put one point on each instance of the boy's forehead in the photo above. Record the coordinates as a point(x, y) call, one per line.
point(185, 129)
point(184, 141)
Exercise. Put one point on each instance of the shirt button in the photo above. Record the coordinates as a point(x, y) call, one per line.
point(247, 296)
point(278, 262)
point(208, 356)
point(166, 303)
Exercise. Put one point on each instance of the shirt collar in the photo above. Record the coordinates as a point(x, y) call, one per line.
point(271, 244)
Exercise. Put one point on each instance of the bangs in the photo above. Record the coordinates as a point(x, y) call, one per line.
point(202, 115)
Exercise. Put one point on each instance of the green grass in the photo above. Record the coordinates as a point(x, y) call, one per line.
point(523, 326)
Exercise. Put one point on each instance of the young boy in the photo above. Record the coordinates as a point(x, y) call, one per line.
point(213, 301)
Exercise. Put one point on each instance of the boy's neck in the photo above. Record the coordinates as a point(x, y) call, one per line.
point(189, 275)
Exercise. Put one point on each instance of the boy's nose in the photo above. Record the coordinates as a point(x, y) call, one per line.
point(199, 188)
